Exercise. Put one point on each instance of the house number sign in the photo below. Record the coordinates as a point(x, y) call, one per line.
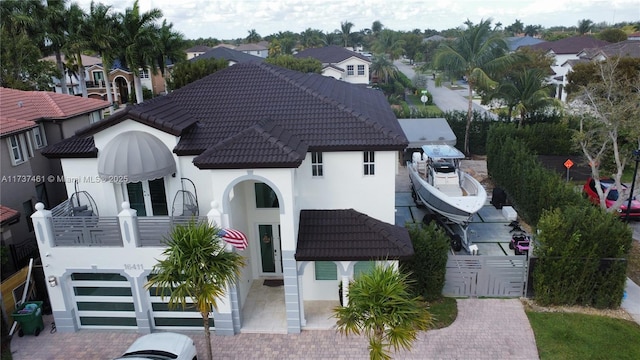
point(133, 267)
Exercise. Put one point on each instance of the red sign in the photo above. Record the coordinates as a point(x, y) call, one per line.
point(568, 163)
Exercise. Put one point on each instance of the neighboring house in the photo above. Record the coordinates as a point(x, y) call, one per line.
point(29, 121)
point(196, 51)
point(232, 56)
point(121, 79)
point(433, 38)
point(340, 63)
point(635, 36)
point(516, 42)
point(260, 49)
point(304, 165)
point(562, 51)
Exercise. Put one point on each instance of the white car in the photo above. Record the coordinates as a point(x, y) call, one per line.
point(161, 346)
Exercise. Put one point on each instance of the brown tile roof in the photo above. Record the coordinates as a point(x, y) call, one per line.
point(349, 235)
point(570, 45)
point(12, 126)
point(330, 54)
point(42, 105)
point(280, 110)
point(8, 215)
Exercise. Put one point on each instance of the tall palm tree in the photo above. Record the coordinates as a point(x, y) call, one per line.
point(382, 307)
point(253, 37)
point(345, 32)
point(477, 52)
point(102, 30)
point(139, 36)
point(389, 42)
point(383, 68)
point(77, 42)
point(526, 93)
point(331, 38)
point(585, 26)
point(170, 47)
point(195, 266)
point(55, 27)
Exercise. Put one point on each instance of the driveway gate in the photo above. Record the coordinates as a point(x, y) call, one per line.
point(490, 276)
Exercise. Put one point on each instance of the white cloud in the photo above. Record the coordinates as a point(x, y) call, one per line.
point(228, 19)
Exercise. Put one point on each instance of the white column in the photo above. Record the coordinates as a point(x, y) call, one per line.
point(43, 227)
point(214, 215)
point(345, 290)
point(128, 219)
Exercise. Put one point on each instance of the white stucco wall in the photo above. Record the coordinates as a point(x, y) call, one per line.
point(332, 72)
point(355, 78)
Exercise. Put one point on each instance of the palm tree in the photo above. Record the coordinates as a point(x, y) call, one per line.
point(376, 27)
point(585, 26)
point(102, 31)
point(389, 42)
point(196, 267)
point(139, 39)
point(170, 47)
point(345, 32)
point(527, 92)
point(382, 307)
point(253, 37)
point(77, 42)
point(476, 53)
point(311, 38)
point(331, 38)
point(383, 68)
point(55, 27)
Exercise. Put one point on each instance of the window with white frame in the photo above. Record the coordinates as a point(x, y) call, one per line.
point(144, 74)
point(369, 163)
point(360, 70)
point(38, 137)
point(316, 164)
point(16, 149)
point(94, 117)
point(350, 70)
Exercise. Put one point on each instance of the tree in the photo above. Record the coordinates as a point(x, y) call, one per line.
point(376, 27)
point(311, 38)
point(516, 28)
point(383, 68)
point(253, 37)
point(477, 52)
point(532, 30)
point(584, 26)
point(305, 65)
point(382, 307)
point(390, 43)
point(195, 266)
point(526, 92)
point(345, 32)
point(608, 113)
point(55, 27)
point(139, 39)
point(77, 41)
point(186, 72)
point(331, 38)
point(170, 47)
point(102, 29)
point(412, 46)
point(612, 35)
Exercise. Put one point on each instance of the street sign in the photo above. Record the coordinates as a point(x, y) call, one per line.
point(568, 164)
point(424, 99)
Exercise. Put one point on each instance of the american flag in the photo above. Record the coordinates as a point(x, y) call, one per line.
point(234, 237)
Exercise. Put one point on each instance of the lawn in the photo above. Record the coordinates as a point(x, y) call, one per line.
point(444, 312)
point(633, 267)
point(580, 336)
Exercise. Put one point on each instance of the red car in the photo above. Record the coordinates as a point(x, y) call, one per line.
point(590, 190)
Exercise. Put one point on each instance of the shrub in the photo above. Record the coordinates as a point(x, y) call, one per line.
point(428, 265)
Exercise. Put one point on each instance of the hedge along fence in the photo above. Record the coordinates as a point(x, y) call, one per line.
point(581, 258)
point(480, 125)
point(581, 248)
point(428, 266)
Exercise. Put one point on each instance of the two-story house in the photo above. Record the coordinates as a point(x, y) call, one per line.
point(563, 50)
point(232, 56)
point(302, 164)
point(260, 49)
point(29, 121)
point(340, 63)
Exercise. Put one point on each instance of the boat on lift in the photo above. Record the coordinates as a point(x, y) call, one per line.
point(438, 183)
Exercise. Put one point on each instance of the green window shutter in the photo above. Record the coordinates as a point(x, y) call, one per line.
point(326, 270)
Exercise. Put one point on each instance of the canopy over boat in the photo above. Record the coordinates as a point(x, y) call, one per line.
point(442, 152)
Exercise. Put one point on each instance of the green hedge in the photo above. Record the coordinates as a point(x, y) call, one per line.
point(429, 264)
point(477, 133)
point(580, 248)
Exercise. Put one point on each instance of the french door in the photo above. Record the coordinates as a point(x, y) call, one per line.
point(148, 197)
point(270, 252)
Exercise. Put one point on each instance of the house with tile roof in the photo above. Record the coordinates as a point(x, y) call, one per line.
point(196, 51)
point(563, 50)
point(302, 165)
point(260, 49)
point(119, 76)
point(231, 55)
point(29, 121)
point(340, 63)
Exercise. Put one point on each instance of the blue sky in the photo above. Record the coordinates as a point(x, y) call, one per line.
point(229, 19)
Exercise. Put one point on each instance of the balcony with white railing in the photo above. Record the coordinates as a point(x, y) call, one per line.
point(70, 227)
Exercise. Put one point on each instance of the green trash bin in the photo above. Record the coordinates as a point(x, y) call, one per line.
point(29, 316)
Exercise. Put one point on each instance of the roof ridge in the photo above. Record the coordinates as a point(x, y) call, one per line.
point(46, 96)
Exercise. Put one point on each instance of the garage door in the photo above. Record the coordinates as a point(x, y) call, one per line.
point(174, 318)
point(103, 301)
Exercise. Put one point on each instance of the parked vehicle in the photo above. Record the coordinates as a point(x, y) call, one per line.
point(520, 241)
point(161, 346)
point(590, 191)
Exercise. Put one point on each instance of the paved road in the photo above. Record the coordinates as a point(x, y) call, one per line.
point(445, 98)
point(485, 329)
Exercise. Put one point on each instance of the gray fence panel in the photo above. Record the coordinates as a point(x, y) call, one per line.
point(488, 276)
point(154, 230)
point(86, 231)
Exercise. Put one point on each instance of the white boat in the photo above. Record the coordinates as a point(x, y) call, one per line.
point(440, 184)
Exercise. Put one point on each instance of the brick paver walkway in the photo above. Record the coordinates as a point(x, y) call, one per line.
point(484, 329)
